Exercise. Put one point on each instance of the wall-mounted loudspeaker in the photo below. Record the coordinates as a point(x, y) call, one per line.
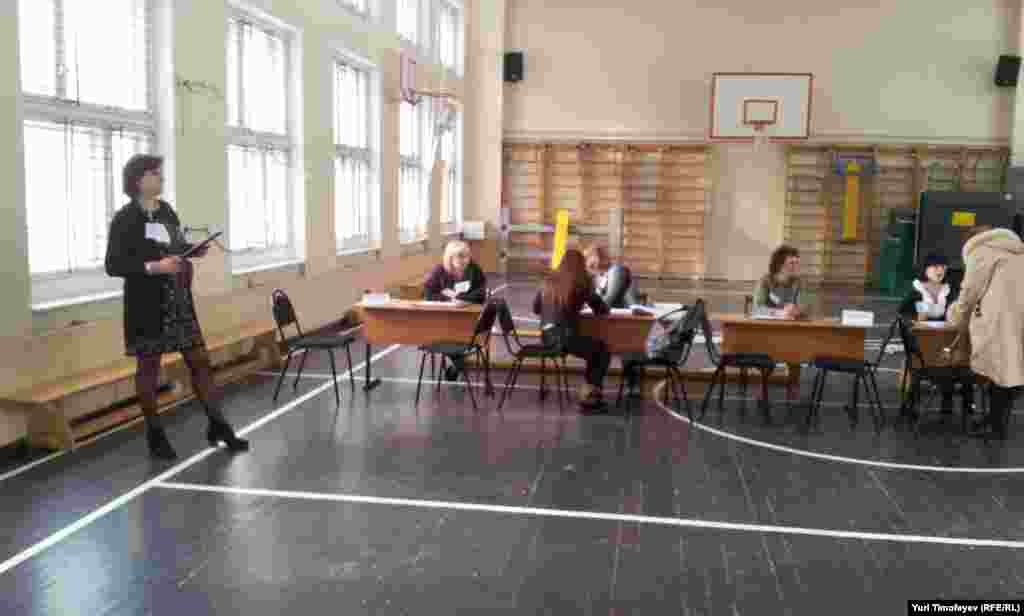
point(1007, 70)
point(514, 66)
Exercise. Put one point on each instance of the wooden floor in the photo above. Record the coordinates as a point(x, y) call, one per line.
point(377, 506)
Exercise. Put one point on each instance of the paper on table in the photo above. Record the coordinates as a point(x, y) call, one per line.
point(934, 324)
point(462, 287)
point(628, 311)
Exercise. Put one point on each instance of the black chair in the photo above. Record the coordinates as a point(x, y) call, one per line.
point(478, 346)
point(681, 333)
point(521, 352)
point(284, 315)
point(918, 371)
point(863, 371)
point(743, 361)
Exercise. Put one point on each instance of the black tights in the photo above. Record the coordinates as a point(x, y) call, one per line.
point(147, 379)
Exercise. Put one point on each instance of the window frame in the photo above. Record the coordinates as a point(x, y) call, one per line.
point(419, 161)
point(51, 290)
point(459, 65)
point(372, 151)
point(246, 260)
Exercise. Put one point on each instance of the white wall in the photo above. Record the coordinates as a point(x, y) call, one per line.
point(914, 70)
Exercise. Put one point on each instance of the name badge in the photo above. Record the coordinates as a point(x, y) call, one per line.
point(462, 287)
point(157, 232)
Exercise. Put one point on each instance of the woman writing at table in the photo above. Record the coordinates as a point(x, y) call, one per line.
point(143, 247)
point(558, 303)
point(456, 278)
point(778, 291)
point(930, 292)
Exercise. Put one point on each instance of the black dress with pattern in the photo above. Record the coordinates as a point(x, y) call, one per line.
point(159, 310)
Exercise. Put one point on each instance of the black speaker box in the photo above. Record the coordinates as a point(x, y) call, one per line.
point(1007, 70)
point(514, 66)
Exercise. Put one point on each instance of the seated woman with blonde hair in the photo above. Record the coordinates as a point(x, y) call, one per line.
point(456, 278)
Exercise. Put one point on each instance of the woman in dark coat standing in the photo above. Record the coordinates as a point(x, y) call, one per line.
point(143, 247)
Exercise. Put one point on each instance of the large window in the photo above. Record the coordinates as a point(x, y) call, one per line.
point(451, 152)
point(414, 171)
point(409, 20)
point(88, 108)
point(450, 35)
point(356, 188)
point(261, 218)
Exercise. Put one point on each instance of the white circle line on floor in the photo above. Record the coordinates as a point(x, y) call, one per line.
point(834, 458)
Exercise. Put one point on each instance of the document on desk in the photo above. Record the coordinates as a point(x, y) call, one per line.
point(622, 311)
point(768, 317)
point(933, 324)
point(462, 287)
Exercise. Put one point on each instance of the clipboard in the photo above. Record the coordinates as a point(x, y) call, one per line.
point(201, 245)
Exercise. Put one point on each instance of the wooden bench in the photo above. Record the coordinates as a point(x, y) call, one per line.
point(64, 412)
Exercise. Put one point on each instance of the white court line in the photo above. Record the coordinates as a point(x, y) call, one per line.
point(604, 517)
point(833, 458)
point(128, 424)
point(174, 470)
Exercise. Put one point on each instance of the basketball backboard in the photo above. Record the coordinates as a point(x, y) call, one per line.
point(772, 106)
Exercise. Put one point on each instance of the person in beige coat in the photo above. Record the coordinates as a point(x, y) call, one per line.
point(991, 309)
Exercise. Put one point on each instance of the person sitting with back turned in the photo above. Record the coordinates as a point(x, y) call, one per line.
point(456, 278)
point(559, 303)
point(779, 289)
point(612, 281)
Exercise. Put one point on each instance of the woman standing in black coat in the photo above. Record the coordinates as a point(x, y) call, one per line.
point(143, 247)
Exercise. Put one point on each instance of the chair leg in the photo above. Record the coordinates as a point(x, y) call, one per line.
point(563, 384)
point(280, 377)
point(854, 410)
point(876, 400)
point(484, 356)
point(543, 371)
point(510, 381)
point(469, 387)
point(433, 368)
point(816, 393)
point(351, 374)
point(743, 382)
point(765, 402)
point(298, 375)
point(419, 381)
point(442, 364)
point(721, 392)
point(710, 392)
point(334, 376)
point(682, 389)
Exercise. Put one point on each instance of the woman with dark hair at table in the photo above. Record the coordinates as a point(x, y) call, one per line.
point(558, 303)
point(144, 248)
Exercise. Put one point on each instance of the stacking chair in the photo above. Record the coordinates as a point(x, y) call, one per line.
point(722, 361)
point(478, 346)
point(681, 333)
point(863, 371)
point(521, 352)
point(918, 371)
point(284, 316)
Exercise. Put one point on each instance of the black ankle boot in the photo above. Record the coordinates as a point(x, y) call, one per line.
point(159, 446)
point(221, 431)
